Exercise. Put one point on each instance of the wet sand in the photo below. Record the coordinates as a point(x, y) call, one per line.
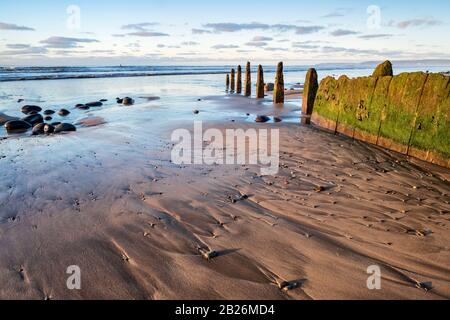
point(134, 222)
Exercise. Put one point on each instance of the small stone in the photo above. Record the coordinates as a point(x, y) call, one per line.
point(196, 112)
point(63, 112)
point(38, 129)
point(33, 119)
point(127, 101)
point(48, 118)
point(65, 127)
point(82, 106)
point(27, 109)
point(262, 118)
point(17, 126)
point(49, 112)
point(94, 104)
point(48, 129)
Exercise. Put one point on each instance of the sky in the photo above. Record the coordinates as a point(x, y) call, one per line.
point(199, 32)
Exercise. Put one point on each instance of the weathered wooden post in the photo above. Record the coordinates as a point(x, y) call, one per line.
point(384, 69)
point(309, 95)
point(239, 80)
point(278, 92)
point(232, 83)
point(260, 83)
point(228, 82)
point(248, 81)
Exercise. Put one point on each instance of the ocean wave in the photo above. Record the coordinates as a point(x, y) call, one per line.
point(65, 72)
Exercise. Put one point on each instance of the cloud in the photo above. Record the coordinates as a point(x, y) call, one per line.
point(275, 49)
point(190, 43)
point(200, 31)
point(340, 12)
point(371, 52)
point(139, 26)
point(148, 34)
point(18, 46)
point(64, 43)
point(224, 46)
point(429, 22)
point(25, 51)
point(375, 36)
point(305, 45)
point(308, 30)
point(235, 27)
point(342, 32)
point(262, 38)
point(11, 26)
point(256, 44)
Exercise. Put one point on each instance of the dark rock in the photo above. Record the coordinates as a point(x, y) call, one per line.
point(48, 129)
point(269, 86)
point(262, 118)
point(82, 106)
point(5, 118)
point(196, 112)
point(64, 127)
point(27, 109)
point(33, 119)
point(119, 100)
point(49, 112)
point(63, 112)
point(94, 104)
point(127, 101)
point(277, 119)
point(55, 123)
point(17, 126)
point(20, 100)
point(38, 129)
point(103, 100)
point(48, 118)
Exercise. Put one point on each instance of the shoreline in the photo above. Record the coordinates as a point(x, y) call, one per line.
point(133, 221)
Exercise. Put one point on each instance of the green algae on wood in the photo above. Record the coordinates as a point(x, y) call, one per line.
point(383, 70)
point(310, 91)
point(432, 127)
point(403, 99)
point(278, 92)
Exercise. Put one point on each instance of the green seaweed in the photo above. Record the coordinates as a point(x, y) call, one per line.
point(403, 99)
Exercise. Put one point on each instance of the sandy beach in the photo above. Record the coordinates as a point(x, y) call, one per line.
point(108, 199)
